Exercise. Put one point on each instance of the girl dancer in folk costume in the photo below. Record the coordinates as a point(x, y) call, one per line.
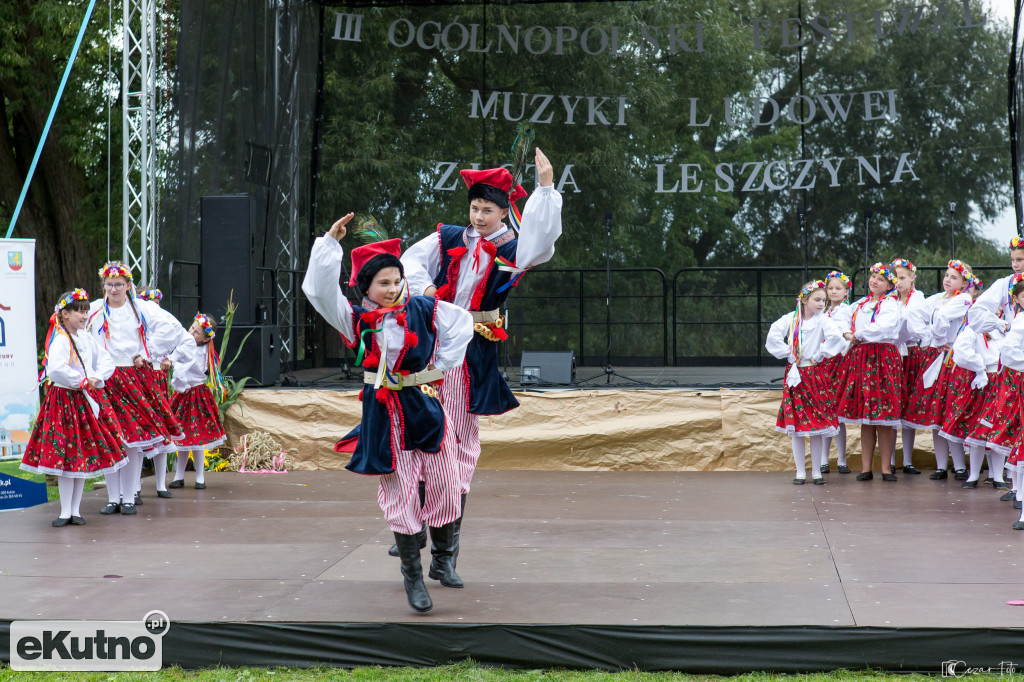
point(474, 268)
point(999, 427)
point(805, 337)
point(125, 326)
point(837, 286)
point(978, 354)
point(874, 383)
point(75, 436)
point(193, 402)
point(404, 435)
point(994, 308)
point(947, 316)
point(160, 350)
point(914, 359)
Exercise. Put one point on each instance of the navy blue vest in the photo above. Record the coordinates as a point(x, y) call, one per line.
point(488, 391)
point(420, 414)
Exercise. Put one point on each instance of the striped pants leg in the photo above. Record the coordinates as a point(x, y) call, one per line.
point(398, 494)
point(465, 426)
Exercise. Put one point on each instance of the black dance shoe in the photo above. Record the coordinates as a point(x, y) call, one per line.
point(164, 494)
point(819, 481)
point(127, 509)
point(799, 481)
point(911, 469)
point(111, 508)
point(1016, 503)
point(970, 484)
point(77, 521)
point(1018, 525)
point(939, 474)
point(1000, 485)
point(865, 476)
point(960, 474)
point(843, 469)
point(825, 469)
point(176, 484)
point(889, 477)
point(1006, 497)
point(59, 522)
point(138, 499)
point(200, 486)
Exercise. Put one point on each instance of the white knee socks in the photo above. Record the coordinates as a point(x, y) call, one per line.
point(977, 459)
point(941, 451)
point(199, 461)
point(76, 497)
point(799, 456)
point(956, 450)
point(180, 465)
point(817, 454)
point(66, 488)
point(841, 445)
point(996, 464)
point(160, 470)
point(909, 435)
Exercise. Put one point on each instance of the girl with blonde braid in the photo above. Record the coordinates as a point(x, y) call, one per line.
point(837, 286)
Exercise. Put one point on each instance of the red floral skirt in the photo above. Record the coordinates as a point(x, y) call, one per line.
point(131, 401)
point(952, 390)
point(834, 368)
point(917, 400)
point(1003, 418)
point(808, 408)
point(197, 412)
point(69, 440)
point(873, 389)
point(1014, 460)
point(964, 417)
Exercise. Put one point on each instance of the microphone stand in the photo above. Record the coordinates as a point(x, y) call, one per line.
point(952, 229)
point(867, 267)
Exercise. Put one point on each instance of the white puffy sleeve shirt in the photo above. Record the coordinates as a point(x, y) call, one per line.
point(66, 371)
point(1012, 351)
point(541, 227)
point(946, 318)
point(885, 328)
point(983, 316)
point(163, 330)
point(820, 337)
point(190, 365)
point(454, 325)
point(907, 334)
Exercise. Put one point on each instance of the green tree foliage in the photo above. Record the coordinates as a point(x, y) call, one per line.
point(66, 207)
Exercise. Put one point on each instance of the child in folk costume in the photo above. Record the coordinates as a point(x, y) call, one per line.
point(914, 359)
point(994, 308)
point(947, 316)
point(979, 354)
point(474, 268)
point(405, 345)
point(160, 350)
point(1000, 425)
point(193, 402)
point(837, 286)
point(75, 436)
point(873, 383)
point(125, 326)
point(805, 337)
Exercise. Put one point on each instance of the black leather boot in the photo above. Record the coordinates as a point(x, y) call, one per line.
point(412, 572)
point(422, 535)
point(458, 532)
point(442, 542)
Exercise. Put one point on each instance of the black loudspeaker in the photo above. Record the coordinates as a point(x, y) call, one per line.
point(260, 357)
point(227, 252)
point(547, 367)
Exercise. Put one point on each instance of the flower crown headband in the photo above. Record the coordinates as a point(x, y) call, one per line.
point(207, 326)
point(813, 286)
point(1017, 242)
point(978, 284)
point(75, 295)
point(962, 268)
point(151, 294)
point(904, 263)
point(115, 269)
point(885, 271)
point(835, 274)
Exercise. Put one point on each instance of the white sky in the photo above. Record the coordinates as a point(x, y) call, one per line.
point(1004, 226)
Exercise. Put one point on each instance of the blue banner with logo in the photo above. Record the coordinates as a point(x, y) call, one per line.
point(19, 396)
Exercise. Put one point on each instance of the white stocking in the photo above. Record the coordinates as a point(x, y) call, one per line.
point(841, 445)
point(160, 469)
point(956, 450)
point(66, 488)
point(817, 452)
point(977, 458)
point(199, 461)
point(179, 466)
point(909, 435)
point(76, 497)
point(799, 456)
point(941, 451)
point(996, 462)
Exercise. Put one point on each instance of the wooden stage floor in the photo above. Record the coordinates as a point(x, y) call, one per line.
point(626, 548)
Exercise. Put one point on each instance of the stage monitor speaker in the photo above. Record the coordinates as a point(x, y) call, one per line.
point(547, 367)
point(260, 357)
point(227, 254)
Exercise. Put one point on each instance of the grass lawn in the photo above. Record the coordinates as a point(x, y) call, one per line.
point(11, 468)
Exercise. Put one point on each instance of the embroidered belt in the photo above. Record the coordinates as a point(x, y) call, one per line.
point(485, 316)
point(427, 376)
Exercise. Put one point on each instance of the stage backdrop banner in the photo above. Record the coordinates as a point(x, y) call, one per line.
point(19, 399)
point(606, 430)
